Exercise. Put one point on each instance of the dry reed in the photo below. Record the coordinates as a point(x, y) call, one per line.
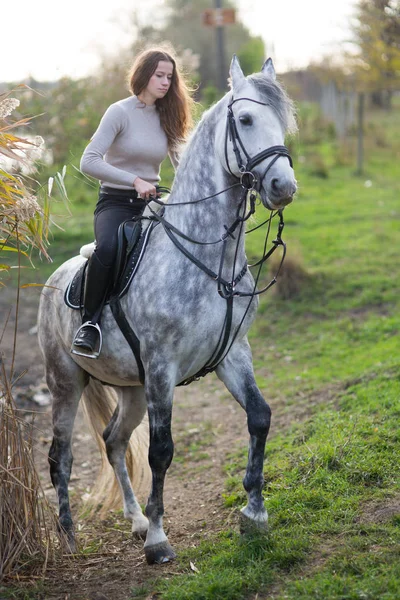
point(27, 522)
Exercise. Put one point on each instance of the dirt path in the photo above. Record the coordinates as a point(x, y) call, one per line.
point(207, 425)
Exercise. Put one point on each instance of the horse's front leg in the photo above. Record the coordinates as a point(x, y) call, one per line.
point(159, 395)
point(236, 372)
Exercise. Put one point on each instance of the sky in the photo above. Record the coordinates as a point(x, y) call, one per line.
point(50, 39)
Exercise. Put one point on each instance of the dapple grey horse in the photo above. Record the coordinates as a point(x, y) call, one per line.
point(177, 307)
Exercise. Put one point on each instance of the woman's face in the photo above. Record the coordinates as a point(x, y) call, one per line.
point(160, 81)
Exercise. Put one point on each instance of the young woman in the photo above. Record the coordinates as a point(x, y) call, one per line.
point(125, 154)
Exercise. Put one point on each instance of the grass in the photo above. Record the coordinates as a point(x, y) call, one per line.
point(331, 352)
point(322, 479)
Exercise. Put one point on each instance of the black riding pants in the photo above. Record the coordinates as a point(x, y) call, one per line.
point(112, 209)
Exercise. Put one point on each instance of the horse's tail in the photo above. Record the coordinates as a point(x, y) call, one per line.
point(99, 403)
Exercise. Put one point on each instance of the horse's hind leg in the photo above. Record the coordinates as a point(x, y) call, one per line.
point(236, 372)
point(65, 381)
point(128, 415)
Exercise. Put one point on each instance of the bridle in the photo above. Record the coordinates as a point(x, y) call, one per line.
point(249, 183)
point(247, 176)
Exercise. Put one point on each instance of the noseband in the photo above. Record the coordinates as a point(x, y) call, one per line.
point(248, 178)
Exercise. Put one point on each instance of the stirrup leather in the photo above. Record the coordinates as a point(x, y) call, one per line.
point(95, 353)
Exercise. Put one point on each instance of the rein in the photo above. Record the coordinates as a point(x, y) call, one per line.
point(224, 287)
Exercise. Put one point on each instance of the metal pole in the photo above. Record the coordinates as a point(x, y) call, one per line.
point(221, 73)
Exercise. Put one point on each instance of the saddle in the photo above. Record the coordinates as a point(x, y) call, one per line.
point(132, 242)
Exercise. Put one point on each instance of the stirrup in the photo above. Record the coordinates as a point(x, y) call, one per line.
point(95, 353)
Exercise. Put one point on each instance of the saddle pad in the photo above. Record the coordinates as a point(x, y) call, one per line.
point(132, 263)
point(74, 293)
point(73, 296)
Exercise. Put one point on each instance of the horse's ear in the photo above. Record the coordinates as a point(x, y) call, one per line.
point(268, 69)
point(236, 72)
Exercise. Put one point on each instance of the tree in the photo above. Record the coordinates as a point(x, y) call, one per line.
point(184, 28)
point(377, 38)
point(72, 109)
point(251, 55)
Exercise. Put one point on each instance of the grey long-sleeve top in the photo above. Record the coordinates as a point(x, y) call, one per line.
point(128, 143)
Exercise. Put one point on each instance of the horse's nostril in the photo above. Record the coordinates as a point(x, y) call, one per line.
point(275, 184)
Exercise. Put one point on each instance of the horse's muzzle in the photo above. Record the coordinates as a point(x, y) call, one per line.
point(277, 204)
point(279, 193)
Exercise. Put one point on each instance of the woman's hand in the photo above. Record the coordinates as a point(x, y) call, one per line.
point(144, 188)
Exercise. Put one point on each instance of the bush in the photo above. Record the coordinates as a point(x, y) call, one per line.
point(291, 279)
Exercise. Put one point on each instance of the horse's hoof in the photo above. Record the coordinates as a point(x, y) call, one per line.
point(250, 526)
point(66, 535)
point(139, 534)
point(159, 553)
point(68, 543)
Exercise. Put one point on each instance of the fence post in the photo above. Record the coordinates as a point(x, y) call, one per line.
point(360, 134)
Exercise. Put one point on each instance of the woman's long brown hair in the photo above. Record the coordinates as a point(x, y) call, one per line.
point(175, 108)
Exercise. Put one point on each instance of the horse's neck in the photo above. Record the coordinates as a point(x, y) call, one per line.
point(200, 175)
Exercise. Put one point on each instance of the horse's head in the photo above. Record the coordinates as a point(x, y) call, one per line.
point(259, 116)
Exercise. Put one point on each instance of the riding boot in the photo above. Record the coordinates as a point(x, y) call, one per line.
point(88, 336)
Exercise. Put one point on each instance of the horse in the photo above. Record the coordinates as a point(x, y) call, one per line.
point(191, 304)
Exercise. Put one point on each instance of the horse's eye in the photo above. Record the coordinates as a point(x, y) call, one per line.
point(246, 120)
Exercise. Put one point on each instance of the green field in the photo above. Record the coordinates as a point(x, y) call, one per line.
point(326, 356)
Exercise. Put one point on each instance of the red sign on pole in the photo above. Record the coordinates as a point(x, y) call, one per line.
point(217, 17)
